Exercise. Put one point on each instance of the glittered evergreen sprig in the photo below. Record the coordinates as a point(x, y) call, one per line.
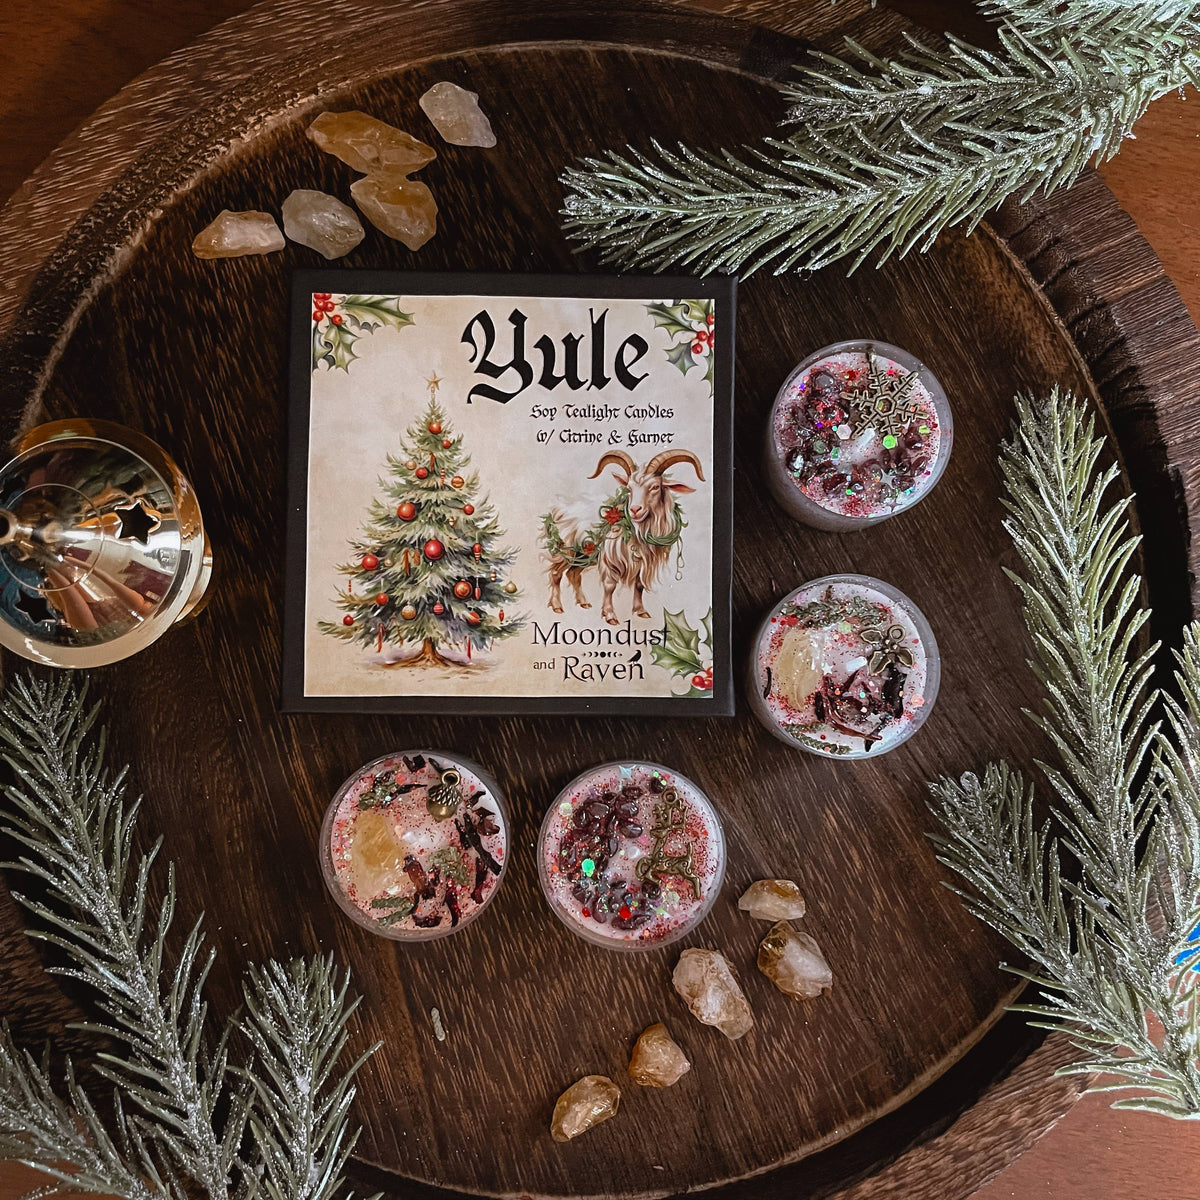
point(259, 1104)
point(1103, 896)
point(878, 155)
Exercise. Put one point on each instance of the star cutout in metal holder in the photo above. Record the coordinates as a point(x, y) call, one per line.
point(137, 522)
point(34, 606)
point(883, 405)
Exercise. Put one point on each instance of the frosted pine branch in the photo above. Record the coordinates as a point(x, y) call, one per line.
point(1103, 897)
point(296, 1018)
point(882, 155)
point(64, 1139)
point(76, 835)
point(187, 1120)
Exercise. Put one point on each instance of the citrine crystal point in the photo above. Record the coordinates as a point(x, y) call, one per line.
point(403, 209)
point(321, 222)
point(793, 962)
point(706, 982)
point(586, 1103)
point(657, 1060)
point(233, 234)
point(773, 900)
point(369, 145)
point(376, 855)
point(456, 115)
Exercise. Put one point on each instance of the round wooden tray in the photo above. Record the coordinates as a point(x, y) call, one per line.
point(902, 1081)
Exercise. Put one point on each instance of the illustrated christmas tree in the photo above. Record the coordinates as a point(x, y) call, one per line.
point(428, 571)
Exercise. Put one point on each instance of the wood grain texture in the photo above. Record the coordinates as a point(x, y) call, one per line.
point(267, 777)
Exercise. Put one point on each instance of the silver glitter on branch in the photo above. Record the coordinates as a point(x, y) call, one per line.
point(882, 155)
point(184, 1121)
point(1103, 897)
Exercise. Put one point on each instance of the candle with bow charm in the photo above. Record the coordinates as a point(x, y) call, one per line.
point(846, 666)
point(631, 855)
point(414, 845)
point(859, 432)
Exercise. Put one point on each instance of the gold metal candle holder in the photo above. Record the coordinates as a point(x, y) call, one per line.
point(102, 547)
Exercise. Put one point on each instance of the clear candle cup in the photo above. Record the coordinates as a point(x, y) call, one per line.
point(414, 845)
point(845, 666)
point(859, 432)
point(631, 855)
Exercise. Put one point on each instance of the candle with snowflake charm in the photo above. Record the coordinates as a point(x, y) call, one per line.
point(631, 855)
point(846, 666)
point(859, 432)
point(414, 845)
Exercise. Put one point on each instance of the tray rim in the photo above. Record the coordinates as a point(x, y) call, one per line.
point(1078, 284)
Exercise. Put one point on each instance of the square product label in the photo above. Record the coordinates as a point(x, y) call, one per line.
point(510, 494)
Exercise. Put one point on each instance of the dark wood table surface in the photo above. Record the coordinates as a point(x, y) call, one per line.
point(64, 57)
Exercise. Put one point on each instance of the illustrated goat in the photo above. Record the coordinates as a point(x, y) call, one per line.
point(634, 539)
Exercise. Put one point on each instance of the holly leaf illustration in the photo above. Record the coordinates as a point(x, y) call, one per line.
point(681, 356)
point(680, 653)
point(706, 625)
point(338, 346)
point(368, 313)
point(675, 318)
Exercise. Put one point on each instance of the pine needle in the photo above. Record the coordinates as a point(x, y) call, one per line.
point(880, 156)
point(1103, 897)
point(185, 1120)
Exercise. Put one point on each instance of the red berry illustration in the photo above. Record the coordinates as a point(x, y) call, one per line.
point(406, 511)
point(697, 347)
point(698, 681)
point(318, 315)
point(381, 599)
point(347, 620)
point(435, 427)
point(422, 472)
point(468, 509)
point(336, 318)
point(446, 443)
point(369, 562)
point(710, 318)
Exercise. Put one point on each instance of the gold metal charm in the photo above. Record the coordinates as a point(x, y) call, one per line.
point(884, 404)
point(671, 816)
point(444, 798)
point(887, 647)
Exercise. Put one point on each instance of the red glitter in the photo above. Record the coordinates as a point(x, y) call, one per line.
point(586, 913)
point(626, 912)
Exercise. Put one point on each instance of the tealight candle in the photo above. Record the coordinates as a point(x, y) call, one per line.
point(415, 844)
point(631, 855)
point(846, 666)
point(859, 432)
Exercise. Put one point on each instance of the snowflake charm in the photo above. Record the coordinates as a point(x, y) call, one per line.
point(884, 404)
point(887, 647)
